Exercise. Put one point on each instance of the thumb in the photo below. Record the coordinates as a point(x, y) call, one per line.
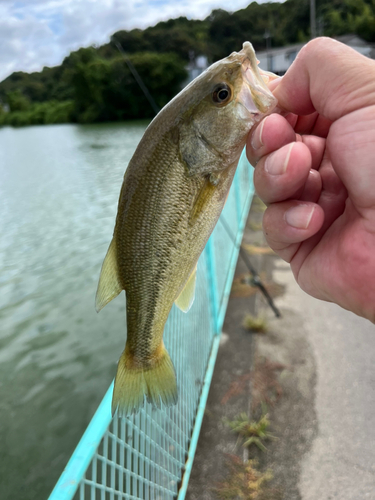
point(329, 77)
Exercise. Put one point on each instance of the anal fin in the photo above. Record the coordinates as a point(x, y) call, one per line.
point(186, 298)
point(109, 284)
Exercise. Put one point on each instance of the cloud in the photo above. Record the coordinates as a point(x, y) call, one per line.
point(38, 33)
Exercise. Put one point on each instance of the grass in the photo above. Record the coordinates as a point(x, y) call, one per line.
point(266, 388)
point(255, 323)
point(242, 286)
point(257, 249)
point(253, 432)
point(244, 481)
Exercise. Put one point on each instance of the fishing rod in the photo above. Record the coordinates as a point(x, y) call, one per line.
point(255, 280)
point(138, 79)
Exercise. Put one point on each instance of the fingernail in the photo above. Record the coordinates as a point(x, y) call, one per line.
point(277, 162)
point(256, 141)
point(300, 216)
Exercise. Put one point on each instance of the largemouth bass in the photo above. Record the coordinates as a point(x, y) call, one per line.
point(172, 195)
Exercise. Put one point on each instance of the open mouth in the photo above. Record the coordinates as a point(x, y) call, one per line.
point(254, 98)
point(257, 99)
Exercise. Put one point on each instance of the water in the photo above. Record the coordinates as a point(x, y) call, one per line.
point(59, 187)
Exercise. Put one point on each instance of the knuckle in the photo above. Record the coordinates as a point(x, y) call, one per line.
point(318, 47)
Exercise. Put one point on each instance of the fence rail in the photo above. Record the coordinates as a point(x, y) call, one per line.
point(149, 456)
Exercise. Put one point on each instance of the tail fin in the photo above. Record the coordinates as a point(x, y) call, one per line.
point(157, 382)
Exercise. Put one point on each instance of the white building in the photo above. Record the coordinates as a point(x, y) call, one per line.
point(196, 66)
point(279, 59)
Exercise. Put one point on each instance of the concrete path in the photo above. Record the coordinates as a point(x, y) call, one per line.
point(341, 461)
point(325, 417)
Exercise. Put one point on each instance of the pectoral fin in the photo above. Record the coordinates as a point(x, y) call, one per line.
point(186, 298)
point(109, 285)
point(203, 198)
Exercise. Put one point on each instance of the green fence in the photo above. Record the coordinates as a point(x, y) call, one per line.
point(149, 455)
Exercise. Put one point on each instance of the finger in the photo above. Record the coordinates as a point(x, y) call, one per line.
point(287, 224)
point(333, 195)
point(317, 146)
point(312, 187)
point(314, 82)
point(273, 83)
point(272, 133)
point(332, 200)
point(351, 145)
point(283, 173)
point(292, 119)
point(321, 127)
point(306, 123)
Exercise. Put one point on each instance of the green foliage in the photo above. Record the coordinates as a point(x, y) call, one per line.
point(16, 119)
point(59, 112)
point(95, 84)
point(340, 17)
point(17, 101)
point(255, 323)
point(102, 89)
point(284, 21)
point(180, 36)
point(39, 114)
point(48, 84)
point(253, 432)
point(106, 90)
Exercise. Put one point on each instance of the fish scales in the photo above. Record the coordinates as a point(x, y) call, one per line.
point(173, 193)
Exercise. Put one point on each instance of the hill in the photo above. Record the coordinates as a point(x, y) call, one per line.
point(95, 84)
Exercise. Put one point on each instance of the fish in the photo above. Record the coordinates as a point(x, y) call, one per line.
point(173, 192)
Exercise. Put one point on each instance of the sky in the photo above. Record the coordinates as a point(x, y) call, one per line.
point(38, 33)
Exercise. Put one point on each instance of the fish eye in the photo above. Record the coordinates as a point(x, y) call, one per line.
point(222, 93)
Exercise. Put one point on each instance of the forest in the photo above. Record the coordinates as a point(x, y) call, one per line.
point(95, 84)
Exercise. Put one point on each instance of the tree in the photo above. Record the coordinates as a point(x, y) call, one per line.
point(95, 84)
point(17, 101)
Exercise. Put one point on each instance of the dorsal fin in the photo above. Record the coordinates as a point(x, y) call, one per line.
point(186, 298)
point(109, 284)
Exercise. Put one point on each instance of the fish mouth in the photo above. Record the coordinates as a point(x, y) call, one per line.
point(254, 96)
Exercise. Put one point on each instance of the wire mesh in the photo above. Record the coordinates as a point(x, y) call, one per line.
point(144, 456)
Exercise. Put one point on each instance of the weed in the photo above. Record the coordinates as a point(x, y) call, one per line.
point(265, 384)
point(242, 286)
point(253, 432)
point(236, 387)
point(255, 323)
point(244, 482)
point(257, 250)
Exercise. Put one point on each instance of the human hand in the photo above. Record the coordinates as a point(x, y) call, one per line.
point(315, 169)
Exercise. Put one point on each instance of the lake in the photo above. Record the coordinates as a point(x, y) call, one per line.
point(59, 187)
